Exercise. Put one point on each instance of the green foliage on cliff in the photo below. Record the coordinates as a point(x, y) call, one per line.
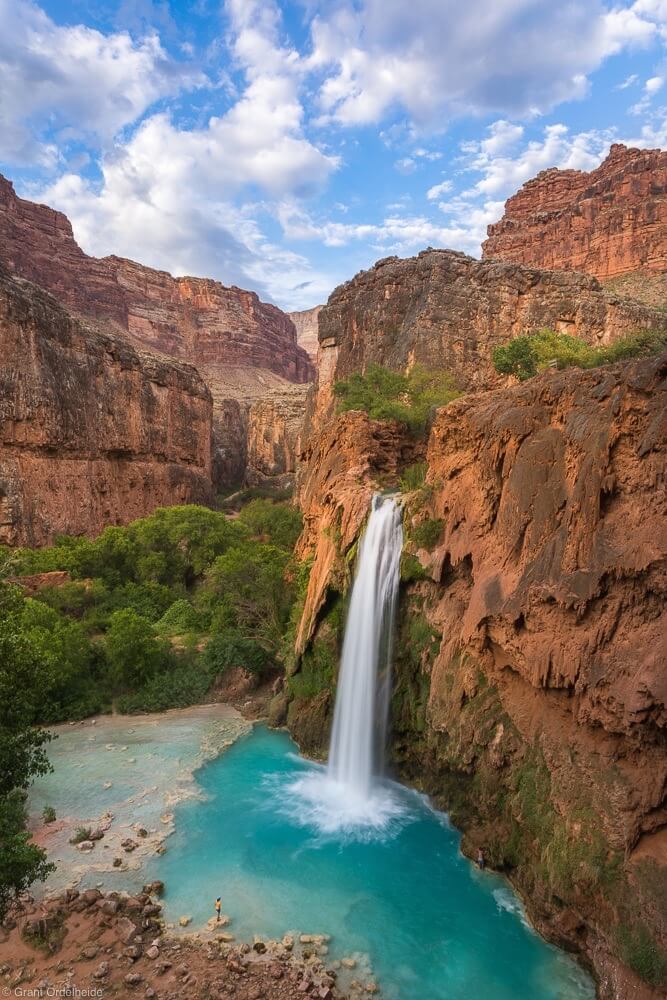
point(156, 610)
point(413, 477)
point(388, 395)
point(22, 748)
point(525, 356)
point(426, 534)
point(640, 951)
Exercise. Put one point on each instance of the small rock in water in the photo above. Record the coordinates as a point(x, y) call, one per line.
point(85, 845)
point(107, 784)
point(348, 963)
point(154, 888)
point(184, 921)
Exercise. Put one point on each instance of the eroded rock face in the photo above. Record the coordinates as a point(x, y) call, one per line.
point(196, 319)
point(447, 310)
point(553, 564)
point(609, 222)
point(530, 695)
point(274, 426)
point(244, 348)
point(305, 322)
point(92, 431)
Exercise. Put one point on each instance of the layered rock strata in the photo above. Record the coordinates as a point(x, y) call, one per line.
point(447, 310)
point(609, 222)
point(92, 431)
point(244, 348)
point(305, 323)
point(195, 319)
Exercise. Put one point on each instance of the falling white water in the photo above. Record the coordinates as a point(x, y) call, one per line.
point(349, 799)
point(356, 753)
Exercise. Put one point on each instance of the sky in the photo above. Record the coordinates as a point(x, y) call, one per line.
point(284, 145)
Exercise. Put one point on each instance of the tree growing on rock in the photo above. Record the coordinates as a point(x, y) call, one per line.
point(22, 750)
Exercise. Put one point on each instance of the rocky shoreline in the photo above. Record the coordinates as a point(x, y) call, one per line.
point(115, 944)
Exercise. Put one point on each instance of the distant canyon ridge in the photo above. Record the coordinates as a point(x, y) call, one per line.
point(584, 253)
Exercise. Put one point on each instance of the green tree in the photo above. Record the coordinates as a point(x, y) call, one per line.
point(134, 652)
point(250, 582)
point(525, 356)
point(277, 523)
point(22, 753)
point(389, 395)
point(231, 649)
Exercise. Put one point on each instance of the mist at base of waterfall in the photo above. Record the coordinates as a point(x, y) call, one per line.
point(318, 802)
point(262, 836)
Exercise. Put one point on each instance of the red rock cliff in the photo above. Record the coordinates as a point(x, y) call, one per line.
point(609, 222)
point(531, 656)
point(447, 310)
point(305, 322)
point(92, 431)
point(196, 319)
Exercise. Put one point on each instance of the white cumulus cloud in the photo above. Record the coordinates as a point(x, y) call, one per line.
point(74, 78)
point(436, 58)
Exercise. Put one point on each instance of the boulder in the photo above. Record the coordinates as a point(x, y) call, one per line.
point(154, 888)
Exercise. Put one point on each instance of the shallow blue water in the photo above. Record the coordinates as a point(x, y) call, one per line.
point(434, 926)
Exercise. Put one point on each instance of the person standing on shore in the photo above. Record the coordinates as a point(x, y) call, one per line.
point(480, 859)
point(218, 908)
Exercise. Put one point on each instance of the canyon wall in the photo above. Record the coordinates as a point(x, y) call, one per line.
point(447, 310)
point(529, 685)
point(609, 222)
point(244, 348)
point(92, 431)
point(305, 323)
point(195, 319)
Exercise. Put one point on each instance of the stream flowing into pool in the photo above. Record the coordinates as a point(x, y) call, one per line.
point(434, 926)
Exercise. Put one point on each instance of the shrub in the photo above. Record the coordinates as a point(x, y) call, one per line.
point(179, 619)
point(413, 477)
point(642, 954)
point(388, 395)
point(186, 683)
point(80, 834)
point(277, 523)
point(48, 814)
point(427, 533)
point(527, 355)
point(411, 568)
point(231, 649)
point(133, 650)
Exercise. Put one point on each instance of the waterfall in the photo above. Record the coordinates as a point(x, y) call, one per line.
point(356, 752)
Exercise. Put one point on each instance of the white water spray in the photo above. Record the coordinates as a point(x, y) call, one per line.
point(356, 753)
point(348, 799)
